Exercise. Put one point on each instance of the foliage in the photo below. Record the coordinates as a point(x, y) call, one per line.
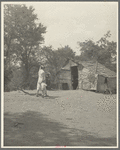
point(22, 36)
point(64, 53)
point(16, 80)
point(101, 51)
point(89, 50)
point(8, 75)
point(55, 59)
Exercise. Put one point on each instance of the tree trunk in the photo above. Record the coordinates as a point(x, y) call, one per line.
point(26, 76)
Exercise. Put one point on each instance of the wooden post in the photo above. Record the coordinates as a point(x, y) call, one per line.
point(96, 67)
point(97, 77)
point(70, 74)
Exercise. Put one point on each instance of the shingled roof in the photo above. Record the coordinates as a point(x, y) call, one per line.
point(101, 69)
point(91, 66)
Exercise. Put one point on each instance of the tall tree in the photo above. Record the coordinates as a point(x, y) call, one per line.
point(102, 51)
point(22, 35)
point(89, 50)
point(108, 49)
point(64, 53)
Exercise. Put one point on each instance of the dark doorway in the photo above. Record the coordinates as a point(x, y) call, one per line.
point(74, 75)
point(65, 86)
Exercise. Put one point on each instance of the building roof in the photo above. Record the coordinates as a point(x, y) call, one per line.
point(101, 69)
point(91, 66)
point(70, 63)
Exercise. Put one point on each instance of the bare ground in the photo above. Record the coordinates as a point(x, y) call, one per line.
point(65, 118)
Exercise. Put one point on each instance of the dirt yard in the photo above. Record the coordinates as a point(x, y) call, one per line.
point(65, 118)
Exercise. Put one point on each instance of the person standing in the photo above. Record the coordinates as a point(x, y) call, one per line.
point(41, 79)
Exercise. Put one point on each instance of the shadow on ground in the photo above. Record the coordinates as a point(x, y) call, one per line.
point(39, 95)
point(35, 129)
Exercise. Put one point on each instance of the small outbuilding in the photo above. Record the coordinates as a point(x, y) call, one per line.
point(96, 76)
point(86, 75)
point(68, 77)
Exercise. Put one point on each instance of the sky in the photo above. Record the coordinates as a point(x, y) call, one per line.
point(71, 22)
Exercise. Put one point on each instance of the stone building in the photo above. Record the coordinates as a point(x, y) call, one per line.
point(86, 75)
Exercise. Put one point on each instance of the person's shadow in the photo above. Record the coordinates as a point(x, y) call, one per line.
point(39, 95)
point(47, 97)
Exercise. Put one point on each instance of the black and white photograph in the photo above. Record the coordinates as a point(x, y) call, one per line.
point(59, 74)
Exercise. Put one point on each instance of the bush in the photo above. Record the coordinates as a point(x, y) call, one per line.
point(8, 74)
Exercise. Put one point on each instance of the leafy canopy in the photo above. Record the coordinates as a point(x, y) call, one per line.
point(102, 51)
point(22, 36)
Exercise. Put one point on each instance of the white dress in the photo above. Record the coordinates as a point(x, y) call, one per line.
point(41, 78)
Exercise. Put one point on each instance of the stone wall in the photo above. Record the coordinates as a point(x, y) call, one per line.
point(84, 80)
